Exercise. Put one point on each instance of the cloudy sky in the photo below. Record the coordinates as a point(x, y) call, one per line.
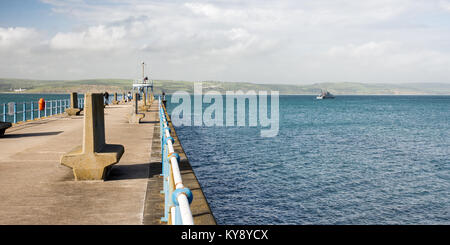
point(291, 41)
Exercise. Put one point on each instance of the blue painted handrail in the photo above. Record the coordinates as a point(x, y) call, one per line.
point(177, 198)
point(30, 110)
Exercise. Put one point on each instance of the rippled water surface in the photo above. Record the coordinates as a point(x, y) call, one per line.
point(351, 160)
point(20, 98)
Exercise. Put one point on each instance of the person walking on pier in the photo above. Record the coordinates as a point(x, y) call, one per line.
point(106, 95)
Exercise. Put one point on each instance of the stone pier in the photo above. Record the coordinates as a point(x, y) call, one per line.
point(35, 189)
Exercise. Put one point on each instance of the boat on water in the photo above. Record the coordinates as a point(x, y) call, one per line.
point(325, 95)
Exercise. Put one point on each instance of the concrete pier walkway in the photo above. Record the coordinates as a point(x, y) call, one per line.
point(36, 189)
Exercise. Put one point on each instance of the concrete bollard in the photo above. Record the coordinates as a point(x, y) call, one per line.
point(73, 110)
point(115, 101)
point(135, 117)
point(144, 106)
point(3, 127)
point(93, 159)
point(152, 97)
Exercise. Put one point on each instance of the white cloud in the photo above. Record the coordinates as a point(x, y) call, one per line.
point(94, 38)
point(370, 49)
point(15, 37)
point(445, 5)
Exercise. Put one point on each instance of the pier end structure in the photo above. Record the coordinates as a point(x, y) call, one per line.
point(73, 110)
point(94, 158)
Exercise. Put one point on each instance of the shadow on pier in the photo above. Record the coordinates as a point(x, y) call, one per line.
point(133, 171)
point(149, 122)
point(31, 134)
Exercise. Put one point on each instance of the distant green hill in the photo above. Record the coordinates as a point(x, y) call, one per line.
point(169, 86)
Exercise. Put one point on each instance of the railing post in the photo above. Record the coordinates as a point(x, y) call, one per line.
point(24, 112)
point(4, 112)
point(32, 111)
point(51, 108)
point(15, 112)
point(165, 186)
point(39, 112)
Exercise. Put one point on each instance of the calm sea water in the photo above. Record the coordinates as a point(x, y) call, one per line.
point(351, 160)
point(20, 98)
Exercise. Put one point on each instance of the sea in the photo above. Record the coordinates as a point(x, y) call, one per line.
point(352, 160)
point(24, 97)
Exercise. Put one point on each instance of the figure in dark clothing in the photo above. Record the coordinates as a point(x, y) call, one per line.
point(164, 99)
point(106, 95)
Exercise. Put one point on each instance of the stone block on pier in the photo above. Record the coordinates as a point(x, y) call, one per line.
point(73, 110)
point(135, 117)
point(94, 158)
point(115, 101)
point(3, 127)
point(144, 106)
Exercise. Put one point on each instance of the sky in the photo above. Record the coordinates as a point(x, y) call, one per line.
point(260, 41)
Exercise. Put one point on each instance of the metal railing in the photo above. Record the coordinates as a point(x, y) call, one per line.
point(177, 198)
point(21, 112)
